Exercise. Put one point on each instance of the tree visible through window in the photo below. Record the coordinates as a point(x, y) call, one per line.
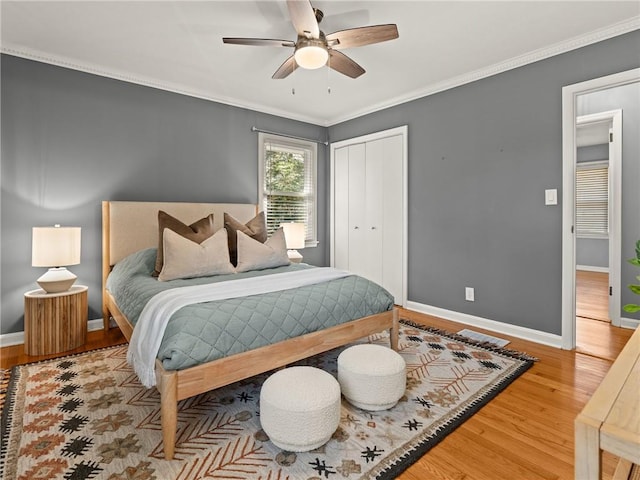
point(288, 183)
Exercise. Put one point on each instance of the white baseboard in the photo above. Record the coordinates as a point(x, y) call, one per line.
point(11, 339)
point(529, 334)
point(591, 268)
point(17, 338)
point(629, 323)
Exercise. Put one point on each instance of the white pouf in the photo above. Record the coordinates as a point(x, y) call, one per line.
point(372, 377)
point(300, 408)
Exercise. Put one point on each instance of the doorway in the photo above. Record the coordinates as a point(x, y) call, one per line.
point(597, 225)
point(572, 95)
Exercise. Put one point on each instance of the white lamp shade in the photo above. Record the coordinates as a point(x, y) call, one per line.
point(55, 246)
point(311, 57)
point(294, 235)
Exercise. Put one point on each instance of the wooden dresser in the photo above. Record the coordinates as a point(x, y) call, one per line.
point(610, 421)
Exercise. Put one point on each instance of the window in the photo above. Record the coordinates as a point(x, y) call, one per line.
point(592, 199)
point(287, 171)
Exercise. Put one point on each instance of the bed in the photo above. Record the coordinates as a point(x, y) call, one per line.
point(130, 229)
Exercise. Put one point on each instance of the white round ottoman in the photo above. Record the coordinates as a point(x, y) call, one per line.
point(372, 377)
point(300, 408)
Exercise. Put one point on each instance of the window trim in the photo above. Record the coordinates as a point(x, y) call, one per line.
point(312, 147)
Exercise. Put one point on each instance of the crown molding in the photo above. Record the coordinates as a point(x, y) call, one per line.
point(519, 61)
point(543, 53)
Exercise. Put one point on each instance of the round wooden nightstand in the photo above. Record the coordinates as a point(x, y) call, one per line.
point(55, 322)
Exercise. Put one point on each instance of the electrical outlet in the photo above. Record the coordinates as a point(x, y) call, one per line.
point(469, 294)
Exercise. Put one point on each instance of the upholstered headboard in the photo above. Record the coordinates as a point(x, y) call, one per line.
point(131, 226)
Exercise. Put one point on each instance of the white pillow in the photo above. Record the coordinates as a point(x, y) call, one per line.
point(253, 255)
point(184, 258)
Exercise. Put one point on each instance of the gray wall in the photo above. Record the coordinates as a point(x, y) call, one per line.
point(71, 140)
point(628, 99)
point(592, 252)
point(480, 157)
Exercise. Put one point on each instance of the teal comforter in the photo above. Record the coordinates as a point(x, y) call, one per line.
point(209, 331)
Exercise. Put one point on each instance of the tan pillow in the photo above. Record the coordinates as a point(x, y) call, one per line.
point(255, 228)
point(253, 255)
point(184, 258)
point(197, 232)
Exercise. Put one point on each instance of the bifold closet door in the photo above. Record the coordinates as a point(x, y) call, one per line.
point(385, 200)
point(368, 185)
point(356, 207)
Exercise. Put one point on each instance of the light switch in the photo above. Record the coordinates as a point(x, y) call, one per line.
point(551, 196)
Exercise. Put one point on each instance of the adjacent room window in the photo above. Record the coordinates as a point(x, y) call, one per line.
point(287, 170)
point(592, 199)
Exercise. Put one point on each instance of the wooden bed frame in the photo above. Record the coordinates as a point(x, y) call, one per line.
point(131, 226)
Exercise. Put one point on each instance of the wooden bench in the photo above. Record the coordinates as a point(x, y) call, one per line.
point(610, 421)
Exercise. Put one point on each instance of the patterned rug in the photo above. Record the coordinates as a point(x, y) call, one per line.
point(88, 417)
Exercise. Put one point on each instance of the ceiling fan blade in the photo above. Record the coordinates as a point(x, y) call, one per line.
point(259, 42)
point(357, 37)
point(343, 64)
point(303, 18)
point(285, 69)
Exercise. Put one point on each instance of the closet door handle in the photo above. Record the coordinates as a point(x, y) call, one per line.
point(356, 227)
point(373, 228)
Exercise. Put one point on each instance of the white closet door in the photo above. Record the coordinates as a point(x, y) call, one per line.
point(341, 214)
point(390, 149)
point(358, 258)
point(374, 210)
point(368, 205)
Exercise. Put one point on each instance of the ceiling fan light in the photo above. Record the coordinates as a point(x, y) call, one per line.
point(311, 56)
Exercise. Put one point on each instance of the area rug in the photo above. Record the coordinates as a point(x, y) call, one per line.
point(88, 417)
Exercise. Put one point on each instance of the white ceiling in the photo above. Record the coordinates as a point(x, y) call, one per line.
point(177, 45)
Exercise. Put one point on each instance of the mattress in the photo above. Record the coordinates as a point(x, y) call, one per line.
point(208, 331)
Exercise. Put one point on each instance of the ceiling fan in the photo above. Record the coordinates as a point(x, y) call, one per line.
point(314, 49)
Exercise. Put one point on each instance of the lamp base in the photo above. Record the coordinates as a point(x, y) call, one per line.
point(294, 256)
point(56, 280)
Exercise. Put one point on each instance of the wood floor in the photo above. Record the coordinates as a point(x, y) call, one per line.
point(526, 433)
point(592, 295)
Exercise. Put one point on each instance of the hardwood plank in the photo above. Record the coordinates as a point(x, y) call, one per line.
point(592, 295)
point(527, 424)
point(599, 339)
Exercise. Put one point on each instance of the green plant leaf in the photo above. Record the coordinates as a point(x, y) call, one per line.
point(631, 308)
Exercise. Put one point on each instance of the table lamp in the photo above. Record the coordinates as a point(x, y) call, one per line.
point(55, 247)
point(294, 238)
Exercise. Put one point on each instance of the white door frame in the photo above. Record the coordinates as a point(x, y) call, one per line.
point(403, 131)
point(613, 118)
point(569, 103)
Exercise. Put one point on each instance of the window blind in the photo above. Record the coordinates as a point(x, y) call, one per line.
point(592, 199)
